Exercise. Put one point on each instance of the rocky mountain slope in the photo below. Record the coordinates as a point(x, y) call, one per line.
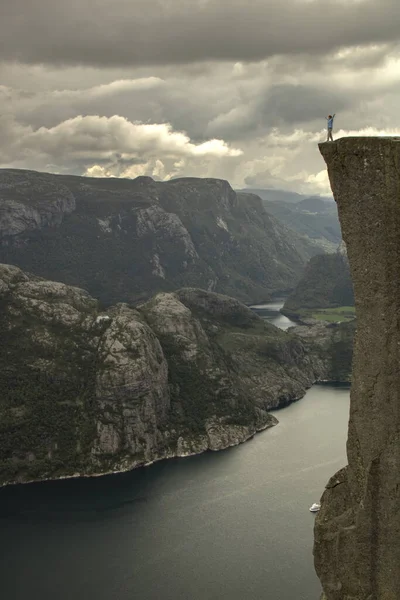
point(326, 283)
point(124, 240)
point(330, 344)
point(315, 218)
point(357, 531)
point(89, 392)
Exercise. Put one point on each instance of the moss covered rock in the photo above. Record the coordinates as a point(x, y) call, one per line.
point(86, 392)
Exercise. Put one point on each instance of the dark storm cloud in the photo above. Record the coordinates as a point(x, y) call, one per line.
point(143, 32)
point(206, 88)
point(278, 106)
point(290, 104)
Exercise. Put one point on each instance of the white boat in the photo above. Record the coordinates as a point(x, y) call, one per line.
point(315, 507)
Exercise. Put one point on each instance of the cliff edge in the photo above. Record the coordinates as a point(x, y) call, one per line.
point(357, 532)
point(86, 392)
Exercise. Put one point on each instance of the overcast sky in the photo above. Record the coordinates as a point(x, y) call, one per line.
point(237, 89)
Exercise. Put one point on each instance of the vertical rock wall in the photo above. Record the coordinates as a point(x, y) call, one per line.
point(357, 532)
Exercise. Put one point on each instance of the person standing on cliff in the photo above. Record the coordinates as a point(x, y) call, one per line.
point(330, 127)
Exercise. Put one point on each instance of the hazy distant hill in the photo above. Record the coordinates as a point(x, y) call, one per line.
point(312, 217)
point(316, 204)
point(273, 195)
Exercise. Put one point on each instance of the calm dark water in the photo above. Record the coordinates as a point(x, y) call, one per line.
point(270, 312)
point(231, 525)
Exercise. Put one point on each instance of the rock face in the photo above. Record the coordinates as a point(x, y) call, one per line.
point(313, 217)
point(357, 532)
point(90, 392)
point(30, 203)
point(326, 283)
point(124, 240)
point(330, 345)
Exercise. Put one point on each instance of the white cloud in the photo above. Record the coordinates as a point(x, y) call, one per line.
point(319, 182)
point(253, 123)
point(153, 168)
point(98, 171)
point(108, 89)
point(369, 131)
point(111, 147)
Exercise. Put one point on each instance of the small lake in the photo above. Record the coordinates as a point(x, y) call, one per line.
point(232, 525)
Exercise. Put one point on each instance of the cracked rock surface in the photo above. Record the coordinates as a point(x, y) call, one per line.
point(357, 531)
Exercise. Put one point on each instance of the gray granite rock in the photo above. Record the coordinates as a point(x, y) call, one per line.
point(86, 392)
point(357, 531)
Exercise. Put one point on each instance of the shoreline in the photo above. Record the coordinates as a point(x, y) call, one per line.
point(184, 454)
point(272, 422)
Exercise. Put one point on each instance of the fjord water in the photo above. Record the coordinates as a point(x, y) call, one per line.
point(231, 525)
point(270, 312)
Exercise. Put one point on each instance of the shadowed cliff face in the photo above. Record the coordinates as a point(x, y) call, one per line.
point(357, 532)
point(124, 240)
point(326, 283)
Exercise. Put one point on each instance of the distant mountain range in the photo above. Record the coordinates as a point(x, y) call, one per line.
point(313, 216)
point(124, 239)
point(273, 195)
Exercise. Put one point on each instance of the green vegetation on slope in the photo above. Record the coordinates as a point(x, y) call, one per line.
point(46, 415)
point(334, 315)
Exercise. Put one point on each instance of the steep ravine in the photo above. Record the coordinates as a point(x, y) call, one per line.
point(357, 532)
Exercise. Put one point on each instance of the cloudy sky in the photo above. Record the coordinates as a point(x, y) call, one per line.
point(237, 89)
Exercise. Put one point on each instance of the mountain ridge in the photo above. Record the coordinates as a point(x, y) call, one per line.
point(124, 240)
